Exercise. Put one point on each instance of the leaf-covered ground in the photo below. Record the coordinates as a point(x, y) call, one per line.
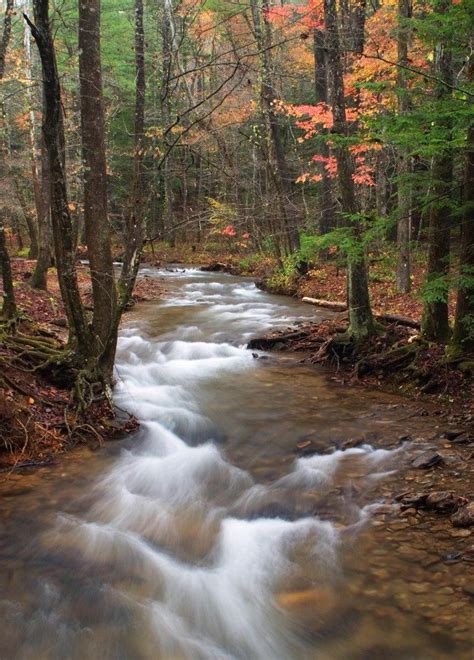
point(36, 417)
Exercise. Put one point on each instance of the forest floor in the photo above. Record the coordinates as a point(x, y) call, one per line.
point(37, 420)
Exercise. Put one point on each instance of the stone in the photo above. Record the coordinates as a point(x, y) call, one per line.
point(469, 589)
point(461, 533)
point(420, 587)
point(442, 501)
point(461, 439)
point(426, 460)
point(464, 517)
point(410, 499)
point(450, 434)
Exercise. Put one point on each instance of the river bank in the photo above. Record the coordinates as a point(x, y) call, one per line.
point(36, 419)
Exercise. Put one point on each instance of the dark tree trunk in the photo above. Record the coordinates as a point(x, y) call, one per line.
point(327, 219)
point(96, 224)
point(29, 219)
point(463, 335)
point(9, 306)
point(165, 105)
point(361, 323)
point(135, 219)
point(404, 226)
point(358, 26)
point(39, 279)
point(435, 323)
point(53, 134)
point(279, 166)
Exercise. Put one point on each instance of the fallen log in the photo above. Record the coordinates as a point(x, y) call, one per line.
point(400, 320)
point(336, 306)
point(265, 343)
point(216, 267)
point(342, 307)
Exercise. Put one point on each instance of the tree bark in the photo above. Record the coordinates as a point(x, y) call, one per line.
point(405, 167)
point(279, 166)
point(31, 221)
point(53, 133)
point(435, 323)
point(463, 335)
point(96, 223)
point(165, 104)
point(327, 219)
point(361, 324)
point(135, 221)
point(39, 279)
point(9, 305)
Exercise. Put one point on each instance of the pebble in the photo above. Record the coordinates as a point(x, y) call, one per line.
point(445, 590)
point(461, 533)
point(469, 589)
point(420, 587)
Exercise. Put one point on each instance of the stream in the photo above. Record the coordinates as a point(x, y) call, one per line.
point(207, 534)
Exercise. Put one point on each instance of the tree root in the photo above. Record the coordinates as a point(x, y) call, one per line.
point(399, 357)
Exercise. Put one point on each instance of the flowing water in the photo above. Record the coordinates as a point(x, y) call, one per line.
point(206, 535)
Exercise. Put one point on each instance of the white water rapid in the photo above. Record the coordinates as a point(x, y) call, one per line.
point(207, 533)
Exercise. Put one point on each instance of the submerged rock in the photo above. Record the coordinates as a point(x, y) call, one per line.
point(427, 459)
point(464, 517)
point(443, 501)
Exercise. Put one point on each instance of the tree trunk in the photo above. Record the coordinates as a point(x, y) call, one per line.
point(463, 335)
point(31, 221)
point(39, 279)
point(361, 323)
point(327, 220)
point(405, 167)
point(165, 103)
point(9, 306)
point(279, 167)
point(53, 133)
point(97, 231)
point(435, 323)
point(135, 220)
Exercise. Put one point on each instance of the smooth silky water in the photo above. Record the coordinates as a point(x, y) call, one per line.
point(204, 535)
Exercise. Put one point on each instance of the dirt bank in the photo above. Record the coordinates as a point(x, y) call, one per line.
point(36, 419)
